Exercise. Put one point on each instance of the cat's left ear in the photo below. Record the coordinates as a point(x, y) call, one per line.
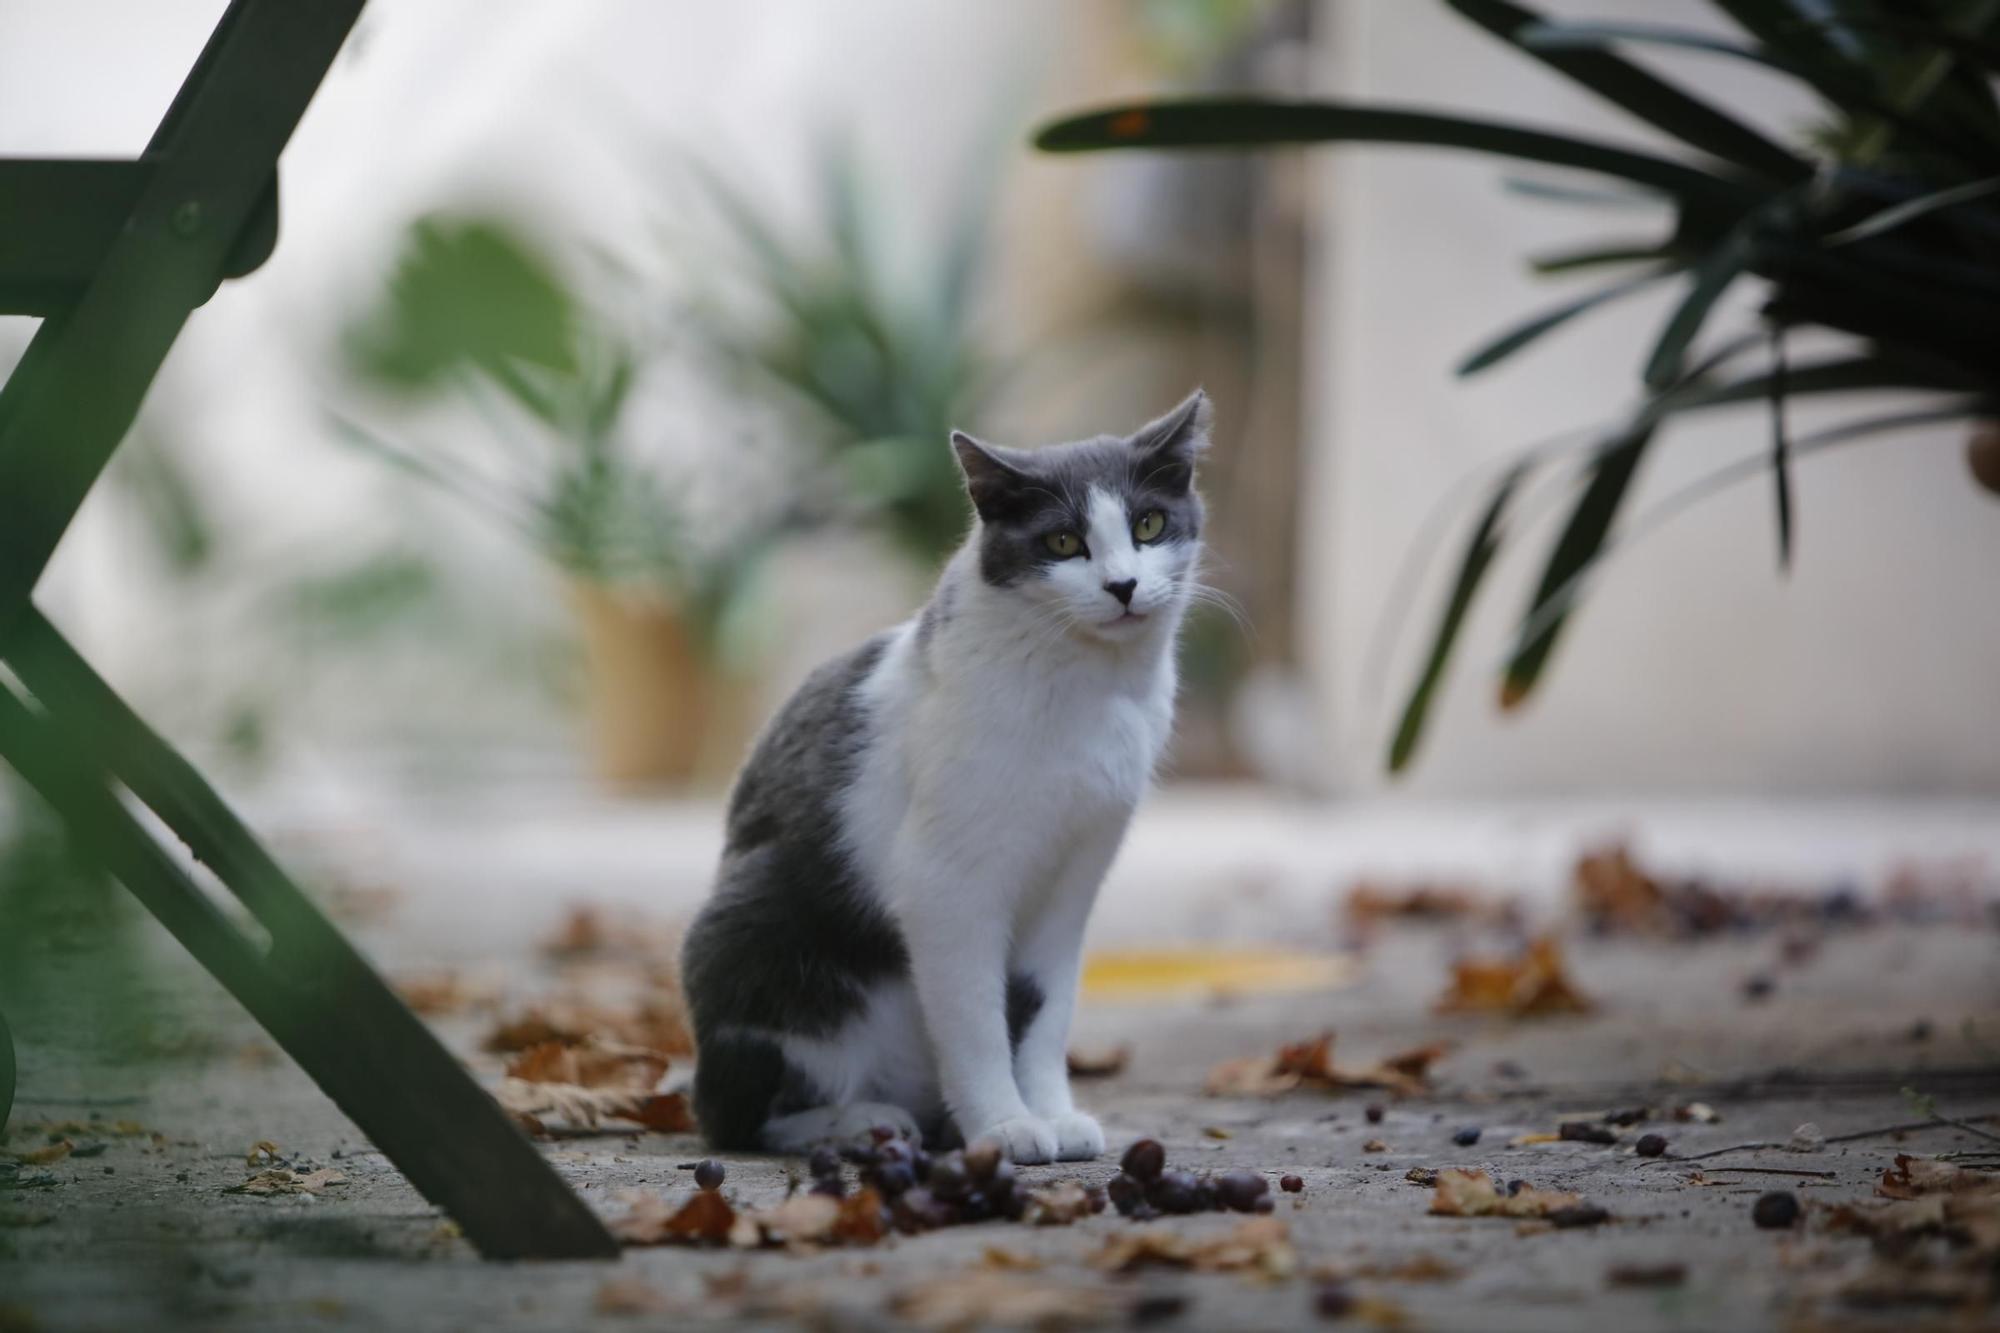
point(994, 477)
point(1169, 446)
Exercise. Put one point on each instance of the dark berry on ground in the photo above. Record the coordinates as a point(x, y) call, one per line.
point(708, 1174)
point(1650, 1145)
point(1582, 1131)
point(1374, 1113)
point(1144, 1160)
point(824, 1162)
point(1175, 1192)
point(1579, 1215)
point(1466, 1137)
point(1334, 1300)
point(949, 1178)
point(1125, 1193)
point(892, 1178)
point(1239, 1191)
point(1776, 1210)
point(1291, 1184)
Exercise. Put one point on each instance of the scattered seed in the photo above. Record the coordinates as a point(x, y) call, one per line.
point(1144, 1160)
point(1466, 1137)
point(1579, 1215)
point(1291, 1184)
point(1374, 1112)
point(1775, 1211)
point(1334, 1300)
point(709, 1174)
point(1650, 1145)
point(1582, 1131)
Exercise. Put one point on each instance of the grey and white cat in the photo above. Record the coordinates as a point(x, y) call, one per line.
point(915, 844)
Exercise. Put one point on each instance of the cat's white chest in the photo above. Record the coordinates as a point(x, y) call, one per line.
point(1074, 743)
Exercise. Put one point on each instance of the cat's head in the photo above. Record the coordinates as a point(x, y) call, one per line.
point(1105, 532)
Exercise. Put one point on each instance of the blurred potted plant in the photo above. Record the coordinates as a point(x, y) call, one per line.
point(474, 308)
point(1885, 226)
point(876, 372)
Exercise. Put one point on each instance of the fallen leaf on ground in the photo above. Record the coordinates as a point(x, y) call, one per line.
point(1098, 1062)
point(1057, 1205)
point(589, 931)
point(279, 1180)
point(975, 1299)
point(630, 1296)
point(47, 1153)
point(803, 1222)
point(75, 1129)
point(1912, 1176)
point(1530, 984)
point(590, 1064)
point(1309, 1063)
point(1461, 1193)
point(1926, 1197)
point(435, 994)
point(1368, 903)
point(656, 1023)
point(1416, 1268)
point(1003, 1260)
point(1257, 1247)
point(705, 1219)
point(584, 1108)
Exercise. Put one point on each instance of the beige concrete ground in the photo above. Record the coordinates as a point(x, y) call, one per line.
point(142, 1234)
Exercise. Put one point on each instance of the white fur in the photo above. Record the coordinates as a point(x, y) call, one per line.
point(1009, 749)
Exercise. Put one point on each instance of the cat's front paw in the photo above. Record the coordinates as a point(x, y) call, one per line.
point(1024, 1139)
point(1078, 1136)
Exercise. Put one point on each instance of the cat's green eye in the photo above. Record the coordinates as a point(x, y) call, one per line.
point(1150, 525)
point(1064, 544)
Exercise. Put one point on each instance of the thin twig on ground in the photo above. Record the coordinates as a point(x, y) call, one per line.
point(1907, 1127)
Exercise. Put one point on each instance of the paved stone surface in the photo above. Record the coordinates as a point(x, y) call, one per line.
point(142, 1235)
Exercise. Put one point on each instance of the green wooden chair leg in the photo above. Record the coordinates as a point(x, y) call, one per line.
point(6, 1073)
point(316, 996)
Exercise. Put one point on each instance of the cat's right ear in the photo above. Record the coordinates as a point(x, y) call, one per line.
point(991, 480)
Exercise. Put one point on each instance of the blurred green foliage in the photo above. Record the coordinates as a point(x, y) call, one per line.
point(876, 366)
point(475, 309)
point(1884, 224)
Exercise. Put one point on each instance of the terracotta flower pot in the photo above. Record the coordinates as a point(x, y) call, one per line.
point(661, 715)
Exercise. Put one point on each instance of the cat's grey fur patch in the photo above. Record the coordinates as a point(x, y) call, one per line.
point(1024, 1001)
point(790, 941)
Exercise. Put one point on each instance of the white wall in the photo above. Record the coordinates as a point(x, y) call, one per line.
point(1874, 667)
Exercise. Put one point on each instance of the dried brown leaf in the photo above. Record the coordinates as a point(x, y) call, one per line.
point(279, 1180)
point(1461, 1193)
point(1309, 1063)
point(630, 1296)
point(590, 1064)
point(706, 1218)
point(976, 1299)
point(534, 1103)
point(1530, 984)
point(1257, 1246)
point(46, 1154)
point(1057, 1205)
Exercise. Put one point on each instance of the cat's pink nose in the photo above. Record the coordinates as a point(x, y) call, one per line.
point(1122, 590)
